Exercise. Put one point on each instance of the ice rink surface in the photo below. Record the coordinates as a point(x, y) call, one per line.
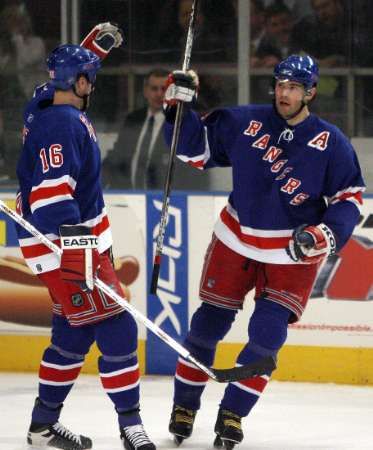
point(290, 416)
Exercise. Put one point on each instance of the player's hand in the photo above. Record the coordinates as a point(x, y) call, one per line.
point(102, 38)
point(80, 257)
point(181, 87)
point(311, 244)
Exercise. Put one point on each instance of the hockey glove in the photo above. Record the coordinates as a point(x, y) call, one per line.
point(102, 38)
point(80, 257)
point(180, 87)
point(311, 244)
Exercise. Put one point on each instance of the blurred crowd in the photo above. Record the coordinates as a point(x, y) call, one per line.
point(338, 33)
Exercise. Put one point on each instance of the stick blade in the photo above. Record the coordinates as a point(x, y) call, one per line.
point(254, 369)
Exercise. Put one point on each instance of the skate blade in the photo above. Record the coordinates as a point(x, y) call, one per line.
point(224, 443)
point(218, 443)
point(178, 439)
point(228, 445)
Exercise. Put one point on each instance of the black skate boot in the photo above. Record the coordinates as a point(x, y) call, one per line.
point(181, 423)
point(55, 436)
point(228, 430)
point(134, 437)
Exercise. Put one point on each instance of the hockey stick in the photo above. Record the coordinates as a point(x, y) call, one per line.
point(171, 160)
point(221, 375)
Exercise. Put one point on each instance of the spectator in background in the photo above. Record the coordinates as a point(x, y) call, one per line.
point(257, 29)
point(326, 34)
point(139, 158)
point(12, 99)
point(327, 37)
point(29, 49)
point(298, 8)
point(210, 44)
point(276, 43)
point(259, 86)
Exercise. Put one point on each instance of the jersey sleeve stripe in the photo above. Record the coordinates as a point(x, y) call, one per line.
point(28, 241)
point(33, 251)
point(358, 197)
point(101, 227)
point(352, 191)
point(197, 161)
point(37, 254)
point(49, 201)
point(47, 193)
point(52, 191)
point(67, 179)
point(200, 160)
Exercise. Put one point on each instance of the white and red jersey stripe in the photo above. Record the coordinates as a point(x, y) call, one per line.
point(262, 245)
point(51, 191)
point(38, 256)
point(188, 373)
point(41, 259)
point(121, 380)
point(353, 194)
point(198, 161)
point(58, 374)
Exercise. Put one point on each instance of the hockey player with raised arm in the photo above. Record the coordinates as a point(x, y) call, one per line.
point(60, 194)
point(297, 189)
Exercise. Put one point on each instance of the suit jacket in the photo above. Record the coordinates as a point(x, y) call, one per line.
point(116, 167)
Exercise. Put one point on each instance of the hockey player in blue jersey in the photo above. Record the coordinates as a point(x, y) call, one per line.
point(61, 195)
point(297, 189)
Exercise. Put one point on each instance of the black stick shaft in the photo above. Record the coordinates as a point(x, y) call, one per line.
point(171, 160)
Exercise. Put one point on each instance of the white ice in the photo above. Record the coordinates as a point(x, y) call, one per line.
point(289, 416)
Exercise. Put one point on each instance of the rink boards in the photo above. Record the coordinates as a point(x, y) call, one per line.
point(333, 342)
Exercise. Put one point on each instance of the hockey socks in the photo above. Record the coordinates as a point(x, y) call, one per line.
point(209, 325)
point(57, 374)
point(267, 334)
point(120, 377)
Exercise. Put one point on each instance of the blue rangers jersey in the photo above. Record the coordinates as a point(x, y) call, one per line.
point(283, 176)
point(59, 178)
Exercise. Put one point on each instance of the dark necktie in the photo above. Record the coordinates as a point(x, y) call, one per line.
point(144, 156)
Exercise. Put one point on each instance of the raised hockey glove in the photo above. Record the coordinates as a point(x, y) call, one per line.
point(311, 244)
point(180, 87)
point(80, 257)
point(102, 38)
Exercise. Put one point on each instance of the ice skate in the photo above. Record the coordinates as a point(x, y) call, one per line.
point(55, 436)
point(134, 437)
point(181, 423)
point(228, 430)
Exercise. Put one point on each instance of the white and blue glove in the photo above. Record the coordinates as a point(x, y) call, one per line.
point(311, 244)
point(102, 38)
point(181, 87)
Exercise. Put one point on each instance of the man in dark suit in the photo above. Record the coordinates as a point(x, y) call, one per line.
point(139, 158)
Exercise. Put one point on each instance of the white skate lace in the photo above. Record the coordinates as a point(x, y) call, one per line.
point(136, 435)
point(64, 432)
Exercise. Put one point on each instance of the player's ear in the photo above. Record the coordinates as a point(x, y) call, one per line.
point(81, 82)
point(310, 94)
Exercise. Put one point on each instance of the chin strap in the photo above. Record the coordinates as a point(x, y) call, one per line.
point(84, 98)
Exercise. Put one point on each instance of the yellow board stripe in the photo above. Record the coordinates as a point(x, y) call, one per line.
point(313, 364)
point(2, 232)
point(12, 204)
point(22, 353)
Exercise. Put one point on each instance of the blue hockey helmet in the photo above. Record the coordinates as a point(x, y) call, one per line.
point(302, 69)
point(68, 61)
